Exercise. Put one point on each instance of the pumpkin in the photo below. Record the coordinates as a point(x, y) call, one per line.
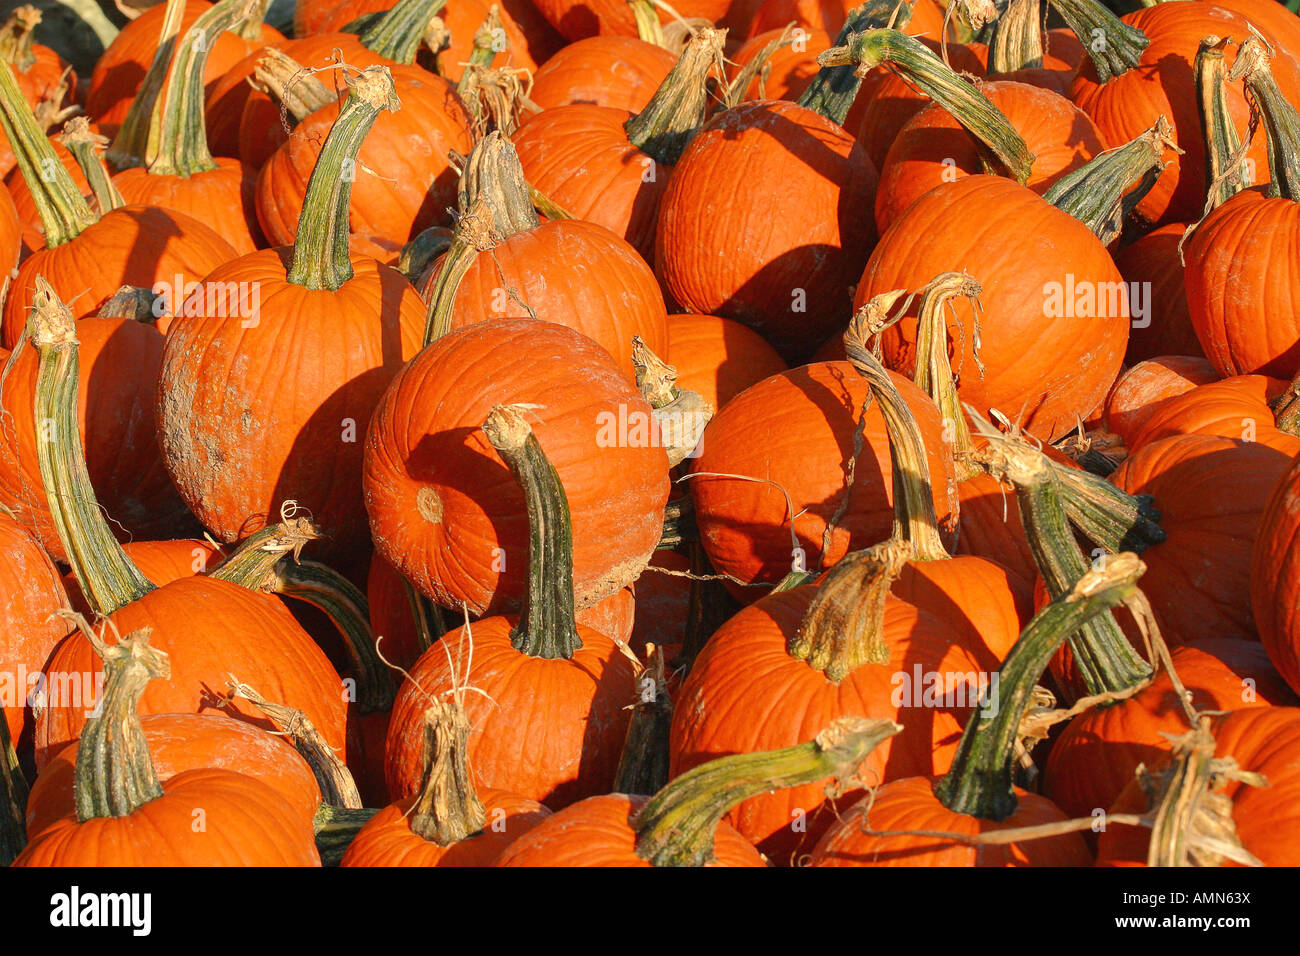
point(1274, 576)
point(11, 232)
point(977, 795)
point(927, 16)
point(1280, 26)
point(662, 602)
point(718, 358)
point(1098, 752)
point(547, 686)
point(933, 147)
point(1153, 269)
point(448, 822)
point(121, 68)
point(1146, 387)
point(681, 825)
point(1020, 50)
point(504, 262)
point(1238, 408)
point(345, 323)
point(123, 816)
point(577, 20)
point(790, 68)
point(618, 72)
point(42, 74)
point(611, 168)
point(29, 216)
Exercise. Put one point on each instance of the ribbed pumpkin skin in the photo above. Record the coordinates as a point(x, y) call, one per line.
point(910, 804)
point(768, 199)
point(1275, 576)
point(390, 613)
point(134, 245)
point(404, 179)
point(1163, 85)
point(240, 436)
point(1097, 753)
point(1242, 279)
point(829, 15)
point(807, 418)
point(549, 730)
point(1056, 367)
point(223, 106)
point(583, 18)
point(1155, 260)
point(30, 594)
point(211, 629)
point(440, 499)
point(599, 832)
point(1280, 25)
point(933, 148)
point(745, 694)
point(11, 232)
point(181, 742)
point(222, 198)
point(246, 823)
point(1236, 408)
point(618, 72)
point(387, 840)
point(1263, 740)
point(718, 358)
point(572, 273)
point(1144, 389)
point(121, 68)
point(789, 71)
point(117, 388)
point(580, 158)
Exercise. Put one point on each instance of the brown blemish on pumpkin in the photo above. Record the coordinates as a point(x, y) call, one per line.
point(429, 505)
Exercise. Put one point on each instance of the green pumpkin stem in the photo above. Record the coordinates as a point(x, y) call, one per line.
point(106, 575)
point(1101, 193)
point(494, 205)
point(915, 521)
point(934, 374)
point(648, 27)
point(912, 60)
point(979, 784)
point(298, 91)
point(396, 34)
point(834, 88)
point(250, 27)
point(337, 787)
point(178, 138)
point(82, 142)
point(63, 210)
point(114, 774)
point(13, 797)
point(320, 256)
point(643, 767)
point(677, 109)
point(1286, 410)
point(429, 618)
point(1281, 119)
point(1113, 46)
point(447, 809)
point(1017, 38)
point(16, 38)
point(1108, 517)
point(482, 52)
point(546, 627)
point(1223, 171)
point(678, 826)
point(131, 144)
point(1105, 659)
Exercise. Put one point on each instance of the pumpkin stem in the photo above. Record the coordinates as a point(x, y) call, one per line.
point(130, 302)
point(298, 91)
point(250, 27)
point(1113, 46)
point(106, 575)
point(1224, 170)
point(676, 111)
point(114, 775)
point(82, 142)
point(494, 205)
point(934, 374)
point(643, 767)
point(336, 828)
point(482, 51)
point(1018, 38)
point(131, 144)
point(913, 61)
point(678, 825)
point(16, 37)
point(13, 798)
point(834, 88)
point(648, 27)
point(914, 517)
point(337, 788)
point(447, 809)
point(63, 210)
point(178, 138)
point(679, 414)
point(1286, 410)
point(420, 253)
point(1106, 660)
point(1101, 193)
point(1281, 120)
point(980, 781)
point(1105, 515)
point(320, 250)
point(842, 628)
point(396, 34)
point(546, 627)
